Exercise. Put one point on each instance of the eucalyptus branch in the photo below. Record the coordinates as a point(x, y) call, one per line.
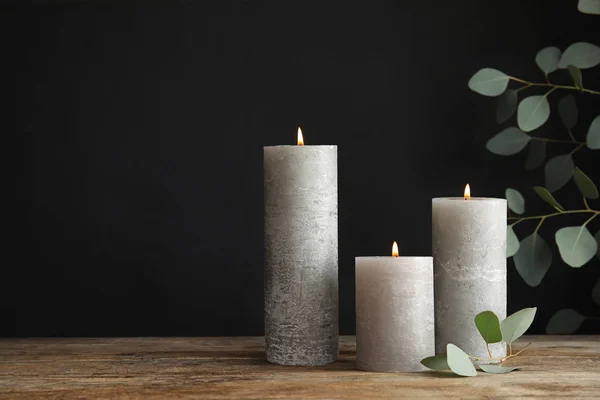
point(587, 207)
point(590, 219)
point(557, 140)
point(539, 225)
point(543, 217)
point(510, 355)
point(492, 331)
point(575, 150)
point(553, 86)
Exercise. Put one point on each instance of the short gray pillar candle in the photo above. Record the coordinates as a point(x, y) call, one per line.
point(301, 254)
point(394, 313)
point(469, 255)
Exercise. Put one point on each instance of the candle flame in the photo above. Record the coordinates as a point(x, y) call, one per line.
point(300, 137)
point(467, 192)
point(395, 250)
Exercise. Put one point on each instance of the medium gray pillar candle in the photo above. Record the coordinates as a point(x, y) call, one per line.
point(301, 254)
point(469, 255)
point(394, 313)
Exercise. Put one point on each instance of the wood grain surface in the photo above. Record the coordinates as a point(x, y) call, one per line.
point(235, 368)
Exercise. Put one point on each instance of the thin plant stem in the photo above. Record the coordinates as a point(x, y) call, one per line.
point(576, 149)
point(571, 136)
point(487, 346)
point(587, 207)
point(553, 86)
point(514, 355)
point(590, 219)
point(556, 140)
point(519, 219)
point(539, 225)
point(522, 88)
point(550, 91)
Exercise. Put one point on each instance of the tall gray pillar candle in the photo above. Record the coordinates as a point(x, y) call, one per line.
point(394, 313)
point(301, 254)
point(469, 255)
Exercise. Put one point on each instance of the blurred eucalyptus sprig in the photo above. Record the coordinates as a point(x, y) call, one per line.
point(532, 255)
point(492, 331)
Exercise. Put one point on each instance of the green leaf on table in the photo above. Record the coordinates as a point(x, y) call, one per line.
point(568, 112)
point(535, 155)
point(596, 293)
point(508, 142)
point(488, 325)
point(585, 184)
point(497, 369)
point(564, 321)
point(512, 242)
point(593, 135)
point(532, 112)
point(576, 245)
point(489, 82)
point(547, 59)
point(459, 362)
point(545, 195)
point(533, 259)
point(576, 76)
point(437, 363)
point(515, 201)
point(558, 172)
point(506, 106)
point(589, 6)
point(515, 325)
point(581, 55)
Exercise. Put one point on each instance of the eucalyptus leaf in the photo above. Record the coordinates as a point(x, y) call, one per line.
point(489, 82)
point(576, 245)
point(581, 55)
point(576, 76)
point(497, 369)
point(533, 112)
point(597, 237)
point(533, 259)
point(459, 362)
point(558, 172)
point(488, 325)
point(506, 106)
point(512, 242)
point(437, 363)
point(508, 142)
point(596, 293)
point(564, 321)
point(515, 201)
point(515, 325)
point(585, 184)
point(545, 195)
point(535, 155)
point(568, 112)
point(589, 6)
point(593, 135)
point(547, 59)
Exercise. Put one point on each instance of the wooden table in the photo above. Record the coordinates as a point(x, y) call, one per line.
point(234, 368)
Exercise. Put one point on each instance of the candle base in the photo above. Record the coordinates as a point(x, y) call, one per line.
point(289, 351)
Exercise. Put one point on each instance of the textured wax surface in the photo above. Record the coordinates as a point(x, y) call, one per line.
point(301, 254)
point(469, 255)
point(394, 313)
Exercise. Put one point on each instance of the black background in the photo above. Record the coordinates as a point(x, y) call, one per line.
point(139, 131)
